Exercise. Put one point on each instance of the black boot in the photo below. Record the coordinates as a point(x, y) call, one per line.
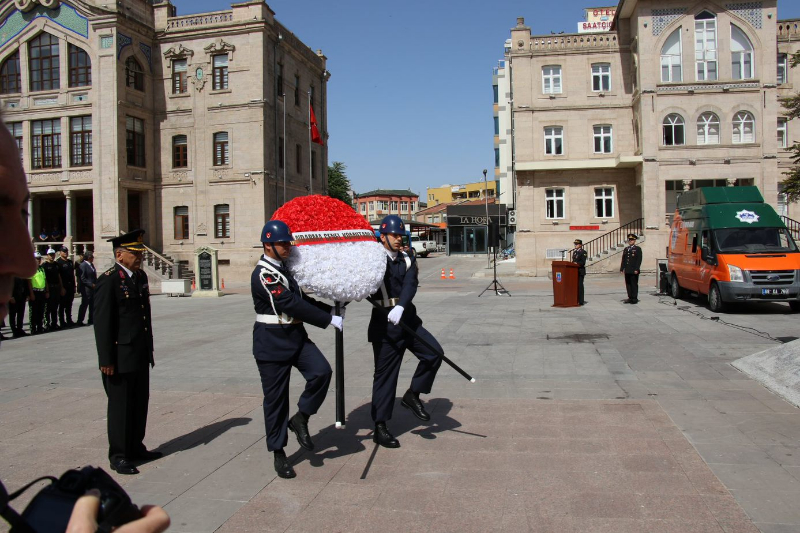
point(411, 401)
point(383, 437)
point(298, 424)
point(282, 466)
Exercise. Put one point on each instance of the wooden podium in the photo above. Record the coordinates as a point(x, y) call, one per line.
point(565, 284)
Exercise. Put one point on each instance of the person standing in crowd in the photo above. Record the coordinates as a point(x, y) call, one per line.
point(77, 266)
point(631, 263)
point(44, 236)
point(87, 274)
point(390, 341)
point(56, 235)
point(280, 342)
point(23, 291)
point(124, 335)
point(579, 256)
point(55, 289)
point(67, 271)
point(39, 298)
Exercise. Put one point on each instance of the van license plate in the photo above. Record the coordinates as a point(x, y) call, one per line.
point(774, 291)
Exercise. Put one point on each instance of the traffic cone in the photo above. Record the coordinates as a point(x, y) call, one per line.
point(452, 276)
point(192, 283)
point(223, 283)
point(443, 276)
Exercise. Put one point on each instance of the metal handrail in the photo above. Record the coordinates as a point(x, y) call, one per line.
point(793, 226)
point(611, 240)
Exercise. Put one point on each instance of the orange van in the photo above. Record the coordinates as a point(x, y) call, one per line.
point(727, 243)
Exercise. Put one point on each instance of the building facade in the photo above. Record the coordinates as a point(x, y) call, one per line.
point(194, 128)
point(478, 190)
point(374, 205)
point(609, 128)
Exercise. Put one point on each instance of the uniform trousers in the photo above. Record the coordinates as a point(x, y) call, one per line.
point(128, 397)
point(388, 355)
point(51, 311)
point(16, 315)
point(275, 383)
point(632, 286)
point(65, 307)
point(37, 310)
point(581, 277)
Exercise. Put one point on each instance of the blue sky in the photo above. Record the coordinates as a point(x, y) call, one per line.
point(410, 96)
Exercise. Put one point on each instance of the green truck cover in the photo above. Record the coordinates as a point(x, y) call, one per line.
point(728, 207)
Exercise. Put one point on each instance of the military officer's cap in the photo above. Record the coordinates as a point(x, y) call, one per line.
point(632, 236)
point(132, 241)
point(578, 241)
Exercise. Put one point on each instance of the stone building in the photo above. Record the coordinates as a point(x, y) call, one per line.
point(477, 190)
point(609, 128)
point(194, 128)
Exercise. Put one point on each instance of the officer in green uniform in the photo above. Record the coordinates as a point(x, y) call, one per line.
point(124, 335)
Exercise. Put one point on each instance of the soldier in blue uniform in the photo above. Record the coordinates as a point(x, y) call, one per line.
point(124, 335)
point(280, 342)
point(631, 263)
point(390, 341)
point(579, 256)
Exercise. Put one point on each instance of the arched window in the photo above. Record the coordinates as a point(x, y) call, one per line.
point(671, 58)
point(708, 128)
point(705, 46)
point(744, 128)
point(10, 81)
point(674, 131)
point(80, 67)
point(134, 74)
point(43, 61)
point(741, 55)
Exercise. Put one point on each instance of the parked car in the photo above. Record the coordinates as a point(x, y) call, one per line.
point(422, 248)
point(728, 243)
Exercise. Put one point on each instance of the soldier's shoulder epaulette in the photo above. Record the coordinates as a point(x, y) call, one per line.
point(109, 271)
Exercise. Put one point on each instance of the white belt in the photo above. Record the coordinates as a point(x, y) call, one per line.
point(274, 319)
point(391, 302)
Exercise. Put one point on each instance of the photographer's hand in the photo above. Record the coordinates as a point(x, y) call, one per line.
point(84, 517)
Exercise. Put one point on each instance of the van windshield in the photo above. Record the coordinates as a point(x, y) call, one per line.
point(754, 240)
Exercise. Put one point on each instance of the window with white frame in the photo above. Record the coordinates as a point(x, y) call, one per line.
point(603, 202)
point(708, 128)
point(705, 46)
point(363, 208)
point(554, 140)
point(741, 55)
point(404, 206)
point(671, 70)
point(394, 206)
point(783, 138)
point(743, 128)
point(372, 206)
point(551, 79)
point(673, 130)
point(602, 139)
point(554, 203)
point(782, 64)
point(601, 77)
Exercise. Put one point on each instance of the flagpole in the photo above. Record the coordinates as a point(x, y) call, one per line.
point(310, 170)
point(283, 155)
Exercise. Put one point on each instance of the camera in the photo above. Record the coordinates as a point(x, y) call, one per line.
point(51, 508)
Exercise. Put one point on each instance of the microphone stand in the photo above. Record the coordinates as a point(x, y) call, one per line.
point(498, 287)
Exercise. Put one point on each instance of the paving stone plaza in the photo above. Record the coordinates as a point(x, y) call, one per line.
point(604, 418)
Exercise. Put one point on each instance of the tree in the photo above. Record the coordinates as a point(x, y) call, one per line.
point(791, 185)
point(339, 183)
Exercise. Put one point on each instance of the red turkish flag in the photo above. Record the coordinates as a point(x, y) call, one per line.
point(315, 136)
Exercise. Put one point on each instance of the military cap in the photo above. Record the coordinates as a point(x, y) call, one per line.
point(64, 249)
point(632, 236)
point(132, 241)
point(578, 241)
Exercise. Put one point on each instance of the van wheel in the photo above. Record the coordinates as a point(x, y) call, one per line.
point(795, 306)
point(674, 288)
point(715, 302)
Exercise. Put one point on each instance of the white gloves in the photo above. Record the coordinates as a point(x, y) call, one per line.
point(395, 314)
point(337, 321)
point(341, 311)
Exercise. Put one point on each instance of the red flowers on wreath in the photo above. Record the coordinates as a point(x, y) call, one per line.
point(319, 213)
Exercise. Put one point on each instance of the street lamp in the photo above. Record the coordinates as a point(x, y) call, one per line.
point(486, 198)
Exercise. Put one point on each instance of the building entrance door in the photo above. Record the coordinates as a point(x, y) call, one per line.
point(475, 240)
point(84, 219)
point(134, 210)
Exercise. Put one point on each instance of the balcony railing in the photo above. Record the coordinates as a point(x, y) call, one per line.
point(206, 19)
point(574, 41)
point(788, 29)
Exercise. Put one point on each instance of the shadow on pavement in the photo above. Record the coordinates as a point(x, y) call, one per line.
point(201, 436)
